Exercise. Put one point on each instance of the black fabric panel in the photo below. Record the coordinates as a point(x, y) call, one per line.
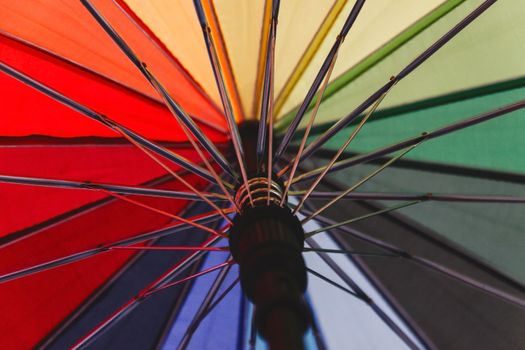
point(145, 325)
point(451, 314)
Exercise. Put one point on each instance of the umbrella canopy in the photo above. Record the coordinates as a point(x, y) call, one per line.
point(392, 130)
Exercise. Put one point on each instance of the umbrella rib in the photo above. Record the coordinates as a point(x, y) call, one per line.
point(295, 161)
point(165, 213)
point(267, 99)
point(309, 54)
point(80, 312)
point(55, 95)
point(333, 283)
point(340, 150)
point(212, 171)
point(119, 189)
point(150, 35)
point(438, 197)
point(261, 61)
point(225, 98)
point(433, 266)
point(204, 306)
point(362, 295)
point(355, 186)
point(271, 117)
point(466, 123)
point(171, 248)
point(20, 235)
point(186, 183)
point(188, 278)
point(50, 264)
point(329, 60)
point(186, 122)
point(188, 126)
point(219, 298)
point(362, 217)
point(343, 122)
point(351, 252)
point(129, 306)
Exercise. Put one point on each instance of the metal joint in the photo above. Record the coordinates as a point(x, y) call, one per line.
point(258, 188)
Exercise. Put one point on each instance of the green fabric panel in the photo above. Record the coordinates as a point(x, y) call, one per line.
point(378, 55)
point(494, 232)
point(497, 144)
point(488, 51)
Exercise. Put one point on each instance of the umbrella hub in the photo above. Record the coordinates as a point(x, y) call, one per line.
point(262, 193)
point(266, 240)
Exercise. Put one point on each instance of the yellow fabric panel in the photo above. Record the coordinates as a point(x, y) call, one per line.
point(224, 60)
point(299, 21)
point(308, 54)
point(378, 22)
point(241, 25)
point(488, 51)
point(176, 24)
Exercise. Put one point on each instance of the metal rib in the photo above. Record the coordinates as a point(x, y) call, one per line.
point(362, 217)
point(176, 110)
point(204, 306)
point(306, 132)
point(119, 189)
point(172, 248)
point(219, 298)
point(179, 160)
point(165, 213)
point(438, 197)
point(267, 98)
point(269, 163)
point(332, 282)
point(354, 13)
point(186, 183)
point(362, 295)
point(343, 122)
point(434, 266)
point(201, 219)
point(186, 279)
point(341, 149)
point(350, 252)
point(354, 187)
point(363, 158)
point(179, 267)
point(226, 102)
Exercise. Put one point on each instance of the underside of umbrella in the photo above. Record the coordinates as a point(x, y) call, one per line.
point(342, 174)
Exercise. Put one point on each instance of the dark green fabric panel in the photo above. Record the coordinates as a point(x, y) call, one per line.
point(488, 51)
point(494, 232)
point(452, 315)
point(498, 144)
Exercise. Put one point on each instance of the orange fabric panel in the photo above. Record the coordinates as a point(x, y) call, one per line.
point(68, 30)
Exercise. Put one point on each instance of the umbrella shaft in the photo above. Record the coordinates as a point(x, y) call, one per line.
point(267, 240)
point(267, 243)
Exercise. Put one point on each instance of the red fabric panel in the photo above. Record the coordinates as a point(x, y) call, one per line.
point(37, 303)
point(30, 112)
point(31, 308)
point(23, 206)
point(66, 28)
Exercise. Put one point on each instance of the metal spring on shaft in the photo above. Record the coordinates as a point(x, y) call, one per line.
point(258, 187)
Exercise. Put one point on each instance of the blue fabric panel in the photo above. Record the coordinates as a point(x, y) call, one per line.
point(142, 328)
point(219, 330)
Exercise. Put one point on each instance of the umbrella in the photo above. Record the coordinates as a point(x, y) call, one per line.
point(239, 174)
